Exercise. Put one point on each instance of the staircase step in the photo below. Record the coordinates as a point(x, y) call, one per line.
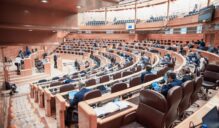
point(29, 79)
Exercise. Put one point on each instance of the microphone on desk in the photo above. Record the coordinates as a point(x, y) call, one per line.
point(192, 125)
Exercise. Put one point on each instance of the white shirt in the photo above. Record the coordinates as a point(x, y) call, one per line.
point(18, 60)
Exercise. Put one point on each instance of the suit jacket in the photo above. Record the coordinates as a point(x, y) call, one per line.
point(79, 96)
point(165, 88)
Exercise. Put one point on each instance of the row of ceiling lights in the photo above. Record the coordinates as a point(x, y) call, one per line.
point(46, 1)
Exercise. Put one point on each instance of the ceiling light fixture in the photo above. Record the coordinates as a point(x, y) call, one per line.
point(44, 1)
point(78, 7)
point(30, 30)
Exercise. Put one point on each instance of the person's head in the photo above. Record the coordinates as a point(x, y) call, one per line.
point(148, 68)
point(81, 85)
point(171, 76)
point(185, 70)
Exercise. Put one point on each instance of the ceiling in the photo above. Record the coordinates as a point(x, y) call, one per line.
point(63, 5)
point(38, 20)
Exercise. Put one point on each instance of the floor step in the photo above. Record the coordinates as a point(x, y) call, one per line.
point(29, 79)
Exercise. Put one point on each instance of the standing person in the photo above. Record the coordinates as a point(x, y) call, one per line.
point(28, 52)
point(18, 64)
point(55, 57)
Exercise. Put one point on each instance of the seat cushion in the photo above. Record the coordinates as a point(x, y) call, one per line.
point(133, 125)
point(208, 84)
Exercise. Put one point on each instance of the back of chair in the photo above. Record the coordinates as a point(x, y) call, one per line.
point(151, 109)
point(117, 75)
point(104, 79)
point(213, 68)
point(174, 98)
point(211, 76)
point(118, 87)
point(188, 89)
point(197, 88)
point(55, 84)
point(92, 94)
point(90, 82)
point(67, 87)
point(41, 81)
point(138, 69)
point(135, 81)
point(162, 71)
point(149, 77)
point(126, 73)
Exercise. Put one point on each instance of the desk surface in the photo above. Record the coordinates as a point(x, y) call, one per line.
point(196, 117)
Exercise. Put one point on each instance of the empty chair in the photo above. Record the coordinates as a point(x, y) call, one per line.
point(135, 81)
point(211, 80)
point(67, 87)
point(162, 71)
point(104, 79)
point(212, 67)
point(42, 81)
point(126, 73)
point(154, 110)
point(92, 94)
point(90, 82)
point(188, 89)
point(55, 78)
point(149, 77)
point(55, 84)
point(118, 87)
point(197, 88)
point(117, 76)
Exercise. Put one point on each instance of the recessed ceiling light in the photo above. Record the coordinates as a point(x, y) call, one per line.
point(53, 31)
point(44, 1)
point(30, 30)
point(78, 7)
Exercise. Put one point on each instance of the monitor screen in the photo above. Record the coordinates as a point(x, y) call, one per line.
point(130, 26)
point(206, 14)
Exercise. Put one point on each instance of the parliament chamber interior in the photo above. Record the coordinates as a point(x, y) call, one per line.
point(109, 64)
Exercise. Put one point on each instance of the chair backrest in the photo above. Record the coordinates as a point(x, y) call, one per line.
point(67, 87)
point(117, 75)
point(126, 73)
point(138, 68)
point(135, 81)
point(92, 94)
point(151, 109)
point(149, 77)
point(90, 82)
point(174, 98)
point(162, 71)
point(55, 83)
point(213, 68)
point(41, 81)
point(55, 78)
point(118, 87)
point(197, 88)
point(104, 79)
point(188, 89)
point(211, 76)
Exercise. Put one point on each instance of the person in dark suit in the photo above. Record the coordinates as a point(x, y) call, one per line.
point(147, 72)
point(172, 81)
point(55, 57)
point(186, 74)
point(78, 97)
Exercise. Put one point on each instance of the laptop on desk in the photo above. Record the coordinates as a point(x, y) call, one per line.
point(211, 119)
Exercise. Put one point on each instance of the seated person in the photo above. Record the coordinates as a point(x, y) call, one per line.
point(39, 65)
point(171, 81)
point(147, 72)
point(186, 74)
point(202, 44)
point(192, 58)
point(11, 87)
point(78, 97)
point(27, 52)
point(166, 59)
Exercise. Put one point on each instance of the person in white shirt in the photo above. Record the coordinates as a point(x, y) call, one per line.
point(18, 64)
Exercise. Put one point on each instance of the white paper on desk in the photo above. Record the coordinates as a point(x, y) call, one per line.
point(106, 109)
point(122, 104)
